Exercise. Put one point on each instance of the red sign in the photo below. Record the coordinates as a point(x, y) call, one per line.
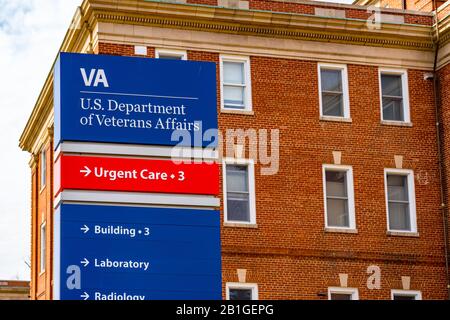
point(136, 175)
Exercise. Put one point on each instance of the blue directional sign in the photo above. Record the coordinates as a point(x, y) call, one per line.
point(115, 99)
point(136, 253)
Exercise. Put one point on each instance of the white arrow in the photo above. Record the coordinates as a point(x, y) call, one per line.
point(85, 262)
point(85, 296)
point(85, 228)
point(86, 171)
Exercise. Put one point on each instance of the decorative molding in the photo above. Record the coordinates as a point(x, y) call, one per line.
point(398, 161)
point(242, 275)
point(343, 280)
point(259, 46)
point(406, 283)
point(292, 26)
point(337, 157)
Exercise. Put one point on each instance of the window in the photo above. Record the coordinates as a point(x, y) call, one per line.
point(242, 291)
point(239, 191)
point(235, 83)
point(338, 293)
point(43, 235)
point(400, 200)
point(43, 169)
point(333, 91)
point(394, 95)
point(170, 54)
point(338, 197)
point(406, 295)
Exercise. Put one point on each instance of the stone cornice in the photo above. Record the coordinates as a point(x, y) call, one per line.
point(263, 23)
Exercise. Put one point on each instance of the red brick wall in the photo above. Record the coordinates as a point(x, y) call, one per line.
point(289, 255)
point(444, 99)
point(42, 210)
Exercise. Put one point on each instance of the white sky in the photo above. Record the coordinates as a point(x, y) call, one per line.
point(31, 32)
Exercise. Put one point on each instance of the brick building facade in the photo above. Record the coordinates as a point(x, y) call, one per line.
point(290, 247)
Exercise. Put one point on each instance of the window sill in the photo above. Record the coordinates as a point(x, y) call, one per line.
point(403, 234)
point(240, 225)
point(335, 119)
point(396, 123)
point(240, 112)
point(339, 230)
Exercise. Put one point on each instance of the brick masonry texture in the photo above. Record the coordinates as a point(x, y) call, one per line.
point(303, 8)
point(290, 255)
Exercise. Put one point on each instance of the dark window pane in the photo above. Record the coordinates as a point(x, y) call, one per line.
point(240, 294)
point(331, 80)
point(404, 297)
point(399, 216)
point(393, 109)
point(238, 207)
point(391, 85)
point(397, 187)
point(341, 296)
point(170, 57)
point(336, 183)
point(337, 213)
point(237, 178)
point(332, 104)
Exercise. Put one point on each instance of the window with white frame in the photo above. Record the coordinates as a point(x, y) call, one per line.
point(400, 200)
point(170, 54)
point(239, 191)
point(394, 95)
point(338, 293)
point(43, 236)
point(333, 91)
point(338, 196)
point(241, 291)
point(235, 83)
point(43, 164)
point(406, 295)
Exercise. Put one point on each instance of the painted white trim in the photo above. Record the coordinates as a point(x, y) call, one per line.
point(248, 81)
point(345, 90)
point(136, 198)
point(251, 189)
point(411, 198)
point(238, 285)
point(405, 93)
point(350, 194)
point(340, 290)
point(171, 53)
point(417, 294)
point(135, 150)
point(42, 246)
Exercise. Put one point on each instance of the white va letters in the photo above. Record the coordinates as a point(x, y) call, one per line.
point(100, 77)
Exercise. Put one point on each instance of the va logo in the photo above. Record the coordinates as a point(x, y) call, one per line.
point(95, 77)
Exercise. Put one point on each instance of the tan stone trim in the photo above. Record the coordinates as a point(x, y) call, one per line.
point(260, 46)
point(291, 26)
point(33, 161)
point(240, 225)
point(443, 56)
